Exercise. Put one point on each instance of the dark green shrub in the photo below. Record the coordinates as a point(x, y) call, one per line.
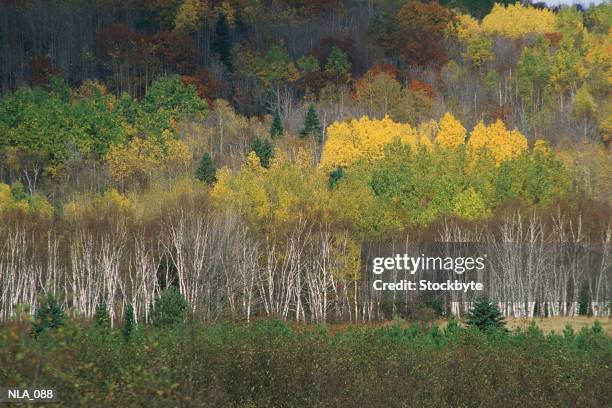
point(312, 126)
point(49, 315)
point(128, 326)
point(169, 309)
point(263, 150)
point(207, 172)
point(334, 177)
point(101, 317)
point(276, 130)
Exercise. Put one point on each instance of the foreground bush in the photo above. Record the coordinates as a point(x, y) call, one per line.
point(272, 364)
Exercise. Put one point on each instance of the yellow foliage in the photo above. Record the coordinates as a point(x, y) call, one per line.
point(469, 205)
point(515, 21)
point(467, 27)
point(277, 196)
point(541, 146)
point(590, 165)
point(362, 139)
point(190, 15)
point(37, 204)
point(451, 132)
point(137, 160)
point(598, 60)
point(502, 143)
point(427, 132)
point(6, 198)
point(110, 203)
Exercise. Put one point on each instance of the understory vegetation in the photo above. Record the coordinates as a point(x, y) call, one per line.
point(271, 363)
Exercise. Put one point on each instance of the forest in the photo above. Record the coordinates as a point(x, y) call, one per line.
point(192, 191)
point(245, 151)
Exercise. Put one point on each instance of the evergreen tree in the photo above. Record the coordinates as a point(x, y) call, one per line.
point(312, 126)
point(49, 315)
point(222, 43)
point(334, 177)
point(584, 303)
point(169, 309)
point(207, 172)
point(101, 317)
point(128, 326)
point(276, 130)
point(485, 315)
point(263, 150)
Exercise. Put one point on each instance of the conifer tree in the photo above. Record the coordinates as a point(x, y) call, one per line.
point(169, 308)
point(334, 177)
point(485, 315)
point(263, 150)
point(49, 315)
point(312, 126)
point(207, 172)
point(222, 44)
point(276, 130)
point(101, 317)
point(128, 326)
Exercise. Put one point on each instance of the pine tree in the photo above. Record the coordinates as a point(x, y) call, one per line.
point(207, 172)
point(169, 309)
point(334, 177)
point(583, 299)
point(312, 126)
point(222, 44)
point(263, 150)
point(128, 326)
point(49, 315)
point(101, 317)
point(276, 130)
point(485, 315)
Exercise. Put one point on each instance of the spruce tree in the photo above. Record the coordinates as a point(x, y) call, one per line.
point(485, 315)
point(334, 177)
point(263, 150)
point(207, 172)
point(276, 130)
point(101, 317)
point(222, 43)
point(169, 309)
point(49, 315)
point(312, 126)
point(128, 326)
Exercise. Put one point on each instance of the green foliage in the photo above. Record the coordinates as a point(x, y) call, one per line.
point(222, 43)
point(312, 126)
point(599, 18)
point(584, 302)
point(129, 323)
point(480, 51)
point(337, 63)
point(276, 129)
point(101, 317)
point(169, 95)
point(535, 72)
point(334, 177)
point(207, 172)
point(49, 315)
point(275, 66)
point(232, 364)
point(484, 315)
point(476, 8)
point(308, 64)
point(169, 308)
point(263, 150)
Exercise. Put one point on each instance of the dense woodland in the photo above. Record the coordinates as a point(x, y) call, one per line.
point(244, 151)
